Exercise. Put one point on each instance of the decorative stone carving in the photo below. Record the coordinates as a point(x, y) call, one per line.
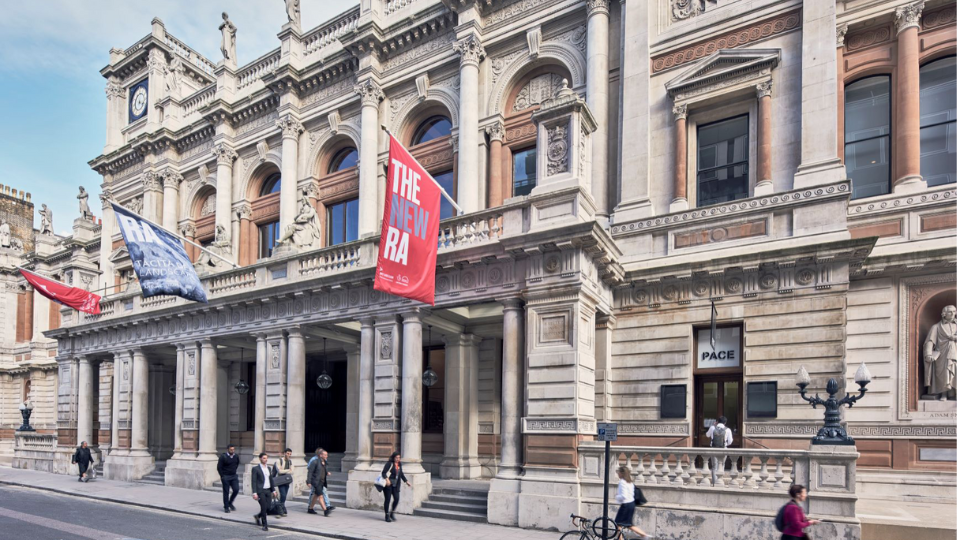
point(188, 230)
point(244, 211)
point(209, 206)
point(576, 37)
point(228, 39)
point(499, 64)
point(275, 355)
point(151, 181)
point(262, 149)
point(595, 7)
point(293, 12)
point(867, 38)
point(841, 33)
point(171, 179)
point(558, 160)
point(304, 232)
point(470, 49)
point(537, 90)
point(908, 16)
point(680, 112)
point(369, 92)
point(685, 9)
point(333, 120)
point(114, 90)
point(534, 37)
point(46, 220)
point(386, 345)
point(423, 84)
point(290, 127)
point(495, 131)
point(224, 154)
point(204, 173)
point(940, 357)
point(764, 89)
point(135, 205)
point(85, 212)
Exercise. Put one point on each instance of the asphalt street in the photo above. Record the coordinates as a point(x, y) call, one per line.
point(27, 514)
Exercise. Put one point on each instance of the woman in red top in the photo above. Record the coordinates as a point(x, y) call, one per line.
point(794, 522)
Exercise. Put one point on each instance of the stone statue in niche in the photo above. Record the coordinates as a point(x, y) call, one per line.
point(228, 39)
point(304, 232)
point(4, 234)
point(46, 220)
point(940, 357)
point(85, 212)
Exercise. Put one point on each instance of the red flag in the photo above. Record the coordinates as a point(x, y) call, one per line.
point(407, 263)
point(78, 299)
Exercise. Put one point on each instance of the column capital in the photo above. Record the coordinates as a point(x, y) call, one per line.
point(290, 127)
point(841, 34)
point(512, 304)
point(114, 90)
point(908, 16)
point(680, 112)
point(415, 316)
point(83, 359)
point(764, 89)
point(294, 332)
point(367, 322)
point(206, 343)
point(188, 229)
point(243, 210)
point(171, 179)
point(370, 93)
point(471, 50)
point(598, 7)
point(106, 197)
point(606, 321)
point(151, 181)
point(224, 154)
point(495, 131)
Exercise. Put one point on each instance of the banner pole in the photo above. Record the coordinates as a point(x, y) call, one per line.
point(442, 191)
point(192, 243)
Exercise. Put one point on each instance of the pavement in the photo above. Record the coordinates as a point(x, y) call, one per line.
point(342, 524)
point(884, 519)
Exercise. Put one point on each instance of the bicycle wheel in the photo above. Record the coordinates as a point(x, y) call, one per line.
point(575, 535)
point(613, 530)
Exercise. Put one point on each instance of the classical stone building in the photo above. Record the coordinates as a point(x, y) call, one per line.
point(624, 168)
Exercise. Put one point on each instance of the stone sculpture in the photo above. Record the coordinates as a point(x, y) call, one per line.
point(940, 357)
point(304, 232)
point(174, 79)
point(228, 39)
point(293, 12)
point(85, 212)
point(46, 220)
point(221, 246)
point(4, 234)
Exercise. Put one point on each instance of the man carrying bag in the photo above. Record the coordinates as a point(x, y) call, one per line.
point(282, 478)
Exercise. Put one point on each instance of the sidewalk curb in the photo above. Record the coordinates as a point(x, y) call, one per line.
point(296, 529)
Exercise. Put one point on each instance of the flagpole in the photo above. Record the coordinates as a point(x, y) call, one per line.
point(442, 191)
point(51, 278)
point(191, 242)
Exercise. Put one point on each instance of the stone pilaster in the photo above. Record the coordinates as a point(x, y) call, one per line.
point(225, 158)
point(598, 83)
point(604, 381)
point(907, 177)
point(460, 415)
point(471, 51)
point(275, 417)
point(370, 97)
point(290, 128)
point(386, 384)
point(85, 403)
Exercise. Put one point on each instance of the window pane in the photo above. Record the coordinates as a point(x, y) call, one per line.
point(353, 219)
point(345, 159)
point(272, 185)
point(938, 154)
point(342, 220)
point(432, 128)
point(711, 407)
point(524, 171)
point(269, 234)
point(938, 92)
point(445, 179)
point(731, 403)
point(335, 224)
point(868, 167)
point(722, 153)
point(866, 109)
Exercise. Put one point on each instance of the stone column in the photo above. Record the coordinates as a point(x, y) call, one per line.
point(604, 391)
point(460, 428)
point(495, 132)
point(365, 393)
point(106, 244)
point(115, 115)
point(370, 97)
point(178, 410)
point(471, 54)
point(679, 159)
point(85, 401)
point(598, 83)
point(411, 401)
point(296, 374)
point(908, 177)
point(291, 128)
point(152, 195)
point(115, 416)
point(504, 496)
point(841, 134)
point(764, 140)
point(225, 158)
point(139, 404)
point(260, 398)
point(207, 449)
point(353, 407)
point(105, 406)
point(171, 198)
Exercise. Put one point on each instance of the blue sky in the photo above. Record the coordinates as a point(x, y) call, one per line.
point(52, 101)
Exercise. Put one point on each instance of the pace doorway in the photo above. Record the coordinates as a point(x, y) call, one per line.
point(719, 395)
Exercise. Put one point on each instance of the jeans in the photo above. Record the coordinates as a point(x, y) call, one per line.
point(388, 492)
point(283, 493)
point(326, 499)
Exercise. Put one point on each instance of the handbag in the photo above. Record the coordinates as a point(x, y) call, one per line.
point(281, 479)
point(380, 483)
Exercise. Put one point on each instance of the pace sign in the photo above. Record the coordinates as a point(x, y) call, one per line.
point(726, 352)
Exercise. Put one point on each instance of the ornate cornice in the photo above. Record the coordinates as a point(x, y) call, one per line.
point(370, 93)
point(908, 16)
point(894, 202)
point(680, 112)
point(290, 127)
point(764, 89)
point(471, 50)
point(224, 154)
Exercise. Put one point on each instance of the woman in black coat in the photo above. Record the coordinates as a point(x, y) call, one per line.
point(83, 459)
point(393, 473)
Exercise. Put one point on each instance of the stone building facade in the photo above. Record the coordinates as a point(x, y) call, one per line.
point(625, 169)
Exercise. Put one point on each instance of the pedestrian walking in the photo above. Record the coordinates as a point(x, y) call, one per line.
point(317, 479)
point(790, 519)
point(283, 477)
point(326, 498)
point(393, 474)
point(83, 459)
point(628, 504)
point(720, 436)
point(263, 488)
point(227, 469)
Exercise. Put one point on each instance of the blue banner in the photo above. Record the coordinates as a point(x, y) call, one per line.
point(158, 257)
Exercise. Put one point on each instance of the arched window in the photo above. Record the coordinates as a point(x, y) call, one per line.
point(345, 159)
point(938, 121)
point(866, 123)
point(432, 128)
point(271, 185)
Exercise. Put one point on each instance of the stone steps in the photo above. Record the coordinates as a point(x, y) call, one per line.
point(455, 503)
point(156, 476)
point(336, 490)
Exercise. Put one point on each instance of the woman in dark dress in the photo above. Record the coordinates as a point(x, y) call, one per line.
point(83, 459)
point(393, 473)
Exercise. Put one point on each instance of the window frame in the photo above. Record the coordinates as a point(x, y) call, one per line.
point(749, 113)
point(328, 216)
point(273, 181)
point(938, 124)
point(419, 131)
point(513, 169)
point(339, 156)
point(889, 135)
point(260, 237)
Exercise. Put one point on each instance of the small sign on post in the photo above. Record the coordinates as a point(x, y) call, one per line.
point(606, 432)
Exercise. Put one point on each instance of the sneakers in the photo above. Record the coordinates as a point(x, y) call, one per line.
point(311, 511)
point(393, 516)
point(232, 507)
point(327, 512)
point(386, 517)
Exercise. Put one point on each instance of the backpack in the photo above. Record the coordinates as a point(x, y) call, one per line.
point(778, 521)
point(638, 497)
point(719, 439)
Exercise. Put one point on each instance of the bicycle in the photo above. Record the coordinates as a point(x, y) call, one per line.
point(587, 531)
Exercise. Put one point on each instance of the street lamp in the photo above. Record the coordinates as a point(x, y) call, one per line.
point(833, 432)
point(26, 409)
point(430, 377)
point(242, 387)
point(324, 381)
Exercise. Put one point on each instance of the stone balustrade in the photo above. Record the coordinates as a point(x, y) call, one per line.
point(327, 34)
point(252, 72)
point(35, 441)
point(199, 98)
point(475, 228)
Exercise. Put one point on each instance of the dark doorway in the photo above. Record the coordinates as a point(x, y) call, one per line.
point(325, 424)
point(718, 395)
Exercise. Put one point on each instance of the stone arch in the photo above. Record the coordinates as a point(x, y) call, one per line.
point(256, 174)
point(411, 112)
point(198, 198)
point(564, 55)
point(347, 133)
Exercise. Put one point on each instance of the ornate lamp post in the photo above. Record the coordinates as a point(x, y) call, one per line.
point(324, 380)
point(833, 432)
point(241, 387)
point(26, 409)
point(430, 377)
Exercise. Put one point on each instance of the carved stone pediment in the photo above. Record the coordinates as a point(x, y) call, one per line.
point(726, 68)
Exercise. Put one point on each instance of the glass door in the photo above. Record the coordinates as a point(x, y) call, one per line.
point(718, 395)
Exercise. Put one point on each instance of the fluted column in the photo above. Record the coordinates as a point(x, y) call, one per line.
point(296, 374)
point(365, 391)
point(370, 97)
point(291, 129)
point(471, 54)
point(178, 404)
point(764, 139)
point(139, 405)
point(511, 390)
point(115, 109)
point(496, 194)
point(598, 82)
point(207, 449)
point(171, 198)
point(225, 158)
point(411, 402)
point(908, 98)
point(680, 201)
point(106, 243)
point(85, 401)
point(260, 399)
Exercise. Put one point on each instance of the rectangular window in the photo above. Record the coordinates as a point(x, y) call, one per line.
point(866, 124)
point(723, 153)
point(762, 399)
point(524, 171)
point(445, 179)
point(342, 219)
point(938, 122)
point(673, 401)
point(269, 234)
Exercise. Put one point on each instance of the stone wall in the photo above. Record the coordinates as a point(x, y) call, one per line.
point(491, 350)
point(17, 210)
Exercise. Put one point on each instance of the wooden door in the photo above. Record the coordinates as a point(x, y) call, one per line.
point(719, 395)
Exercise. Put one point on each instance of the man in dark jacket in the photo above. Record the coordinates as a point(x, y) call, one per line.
point(83, 459)
point(227, 469)
point(317, 479)
point(263, 487)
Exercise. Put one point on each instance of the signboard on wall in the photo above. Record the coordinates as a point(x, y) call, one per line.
point(726, 353)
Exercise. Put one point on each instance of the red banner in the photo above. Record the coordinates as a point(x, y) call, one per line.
point(78, 299)
point(407, 264)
